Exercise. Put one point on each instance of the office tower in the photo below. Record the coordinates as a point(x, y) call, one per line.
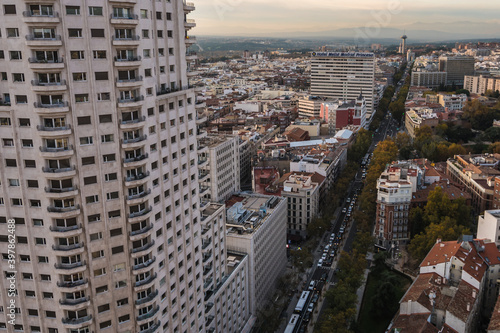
point(99, 167)
point(456, 67)
point(344, 75)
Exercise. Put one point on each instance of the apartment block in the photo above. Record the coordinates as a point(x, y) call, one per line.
point(456, 67)
point(219, 167)
point(395, 187)
point(476, 173)
point(256, 225)
point(431, 79)
point(416, 118)
point(341, 114)
point(310, 106)
point(344, 76)
point(480, 84)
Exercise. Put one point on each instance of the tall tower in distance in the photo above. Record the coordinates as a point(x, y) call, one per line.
point(402, 46)
point(99, 168)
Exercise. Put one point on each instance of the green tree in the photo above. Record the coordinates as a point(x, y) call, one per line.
point(417, 221)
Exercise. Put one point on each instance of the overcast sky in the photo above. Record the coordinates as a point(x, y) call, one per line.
point(237, 17)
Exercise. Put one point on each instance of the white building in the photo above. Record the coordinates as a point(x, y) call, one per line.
point(257, 226)
point(219, 167)
point(488, 226)
point(343, 75)
point(310, 106)
point(481, 84)
point(100, 169)
point(452, 102)
point(425, 78)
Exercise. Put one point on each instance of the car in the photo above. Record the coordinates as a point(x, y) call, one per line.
point(348, 200)
point(324, 256)
point(312, 284)
point(315, 298)
point(310, 308)
point(307, 317)
point(320, 262)
point(344, 210)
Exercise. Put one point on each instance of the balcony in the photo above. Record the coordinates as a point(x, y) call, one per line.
point(144, 265)
point(77, 322)
point(198, 88)
point(73, 284)
point(191, 55)
point(130, 102)
point(207, 283)
point(190, 40)
point(67, 248)
point(203, 176)
point(148, 315)
point(207, 270)
point(207, 257)
point(139, 195)
point(188, 7)
point(49, 132)
point(141, 233)
point(205, 243)
point(128, 62)
point(147, 299)
point(75, 267)
point(202, 162)
point(32, 17)
point(209, 320)
point(129, 83)
point(136, 179)
point(134, 142)
point(133, 124)
point(189, 24)
point(126, 41)
point(167, 91)
point(135, 161)
point(59, 193)
point(200, 105)
point(208, 307)
point(57, 152)
point(123, 1)
point(204, 189)
point(54, 41)
point(73, 304)
point(146, 281)
point(143, 248)
point(35, 63)
point(73, 230)
point(59, 172)
point(55, 209)
point(152, 329)
point(200, 134)
point(38, 86)
point(200, 120)
point(140, 213)
point(192, 73)
point(131, 19)
point(51, 108)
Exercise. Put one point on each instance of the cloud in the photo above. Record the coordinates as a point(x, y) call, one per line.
point(233, 17)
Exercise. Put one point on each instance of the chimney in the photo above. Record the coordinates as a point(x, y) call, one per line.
point(438, 240)
point(468, 306)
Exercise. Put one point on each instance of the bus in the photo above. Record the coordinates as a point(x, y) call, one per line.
point(302, 301)
point(292, 324)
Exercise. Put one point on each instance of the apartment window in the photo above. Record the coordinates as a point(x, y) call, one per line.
point(159, 33)
point(10, 162)
point(145, 33)
point(101, 289)
point(77, 55)
point(108, 158)
point(32, 183)
point(95, 11)
point(79, 77)
point(81, 98)
point(162, 69)
point(75, 33)
point(144, 13)
point(24, 122)
point(40, 241)
point(147, 72)
point(99, 54)
point(117, 249)
point(29, 164)
point(90, 180)
point(88, 160)
point(8, 142)
point(9, 9)
point(15, 55)
point(3, 75)
point(84, 120)
point(171, 51)
point(98, 254)
point(35, 203)
point(107, 138)
point(17, 202)
point(146, 53)
point(21, 99)
point(112, 195)
point(105, 96)
point(118, 268)
point(94, 218)
point(97, 33)
point(73, 10)
point(18, 77)
point(13, 182)
point(43, 260)
point(12, 32)
point(161, 52)
point(120, 284)
point(169, 16)
point(100, 271)
point(101, 76)
point(92, 199)
point(103, 308)
point(105, 118)
point(110, 176)
point(86, 140)
point(123, 319)
point(170, 33)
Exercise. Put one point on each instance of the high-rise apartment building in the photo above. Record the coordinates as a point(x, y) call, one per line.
point(344, 75)
point(99, 168)
point(456, 67)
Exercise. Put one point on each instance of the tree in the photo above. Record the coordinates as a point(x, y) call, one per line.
point(403, 140)
point(417, 221)
point(456, 149)
point(317, 227)
point(494, 148)
point(423, 136)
